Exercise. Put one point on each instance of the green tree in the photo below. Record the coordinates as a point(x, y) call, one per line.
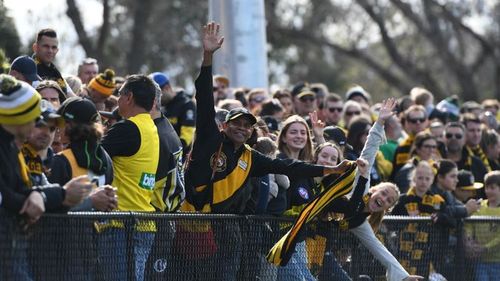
point(10, 42)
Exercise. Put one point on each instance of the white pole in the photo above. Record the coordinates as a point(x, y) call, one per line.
point(243, 57)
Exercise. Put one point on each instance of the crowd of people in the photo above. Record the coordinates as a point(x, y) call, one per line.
point(98, 142)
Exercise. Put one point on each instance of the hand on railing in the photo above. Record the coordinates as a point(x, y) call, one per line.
point(33, 207)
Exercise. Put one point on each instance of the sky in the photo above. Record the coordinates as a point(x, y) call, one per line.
point(33, 15)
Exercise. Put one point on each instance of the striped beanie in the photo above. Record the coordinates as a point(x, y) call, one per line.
point(104, 83)
point(19, 102)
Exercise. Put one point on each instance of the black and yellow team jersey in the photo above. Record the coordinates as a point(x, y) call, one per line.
point(36, 166)
point(402, 154)
point(347, 213)
point(216, 172)
point(134, 147)
point(415, 239)
point(181, 113)
point(169, 187)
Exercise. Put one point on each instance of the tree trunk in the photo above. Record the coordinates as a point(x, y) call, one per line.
point(138, 44)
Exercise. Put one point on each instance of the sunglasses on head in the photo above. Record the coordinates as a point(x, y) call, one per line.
point(333, 109)
point(351, 113)
point(416, 120)
point(450, 135)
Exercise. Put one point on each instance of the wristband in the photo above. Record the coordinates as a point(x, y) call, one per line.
point(43, 196)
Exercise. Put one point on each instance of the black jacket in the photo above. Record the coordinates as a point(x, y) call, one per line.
point(12, 188)
point(208, 140)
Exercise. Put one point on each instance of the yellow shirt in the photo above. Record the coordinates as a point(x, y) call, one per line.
point(134, 175)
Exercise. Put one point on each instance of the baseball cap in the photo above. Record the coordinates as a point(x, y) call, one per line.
point(305, 92)
point(466, 181)
point(240, 112)
point(334, 133)
point(160, 79)
point(79, 110)
point(357, 91)
point(111, 114)
point(49, 113)
point(27, 67)
point(271, 123)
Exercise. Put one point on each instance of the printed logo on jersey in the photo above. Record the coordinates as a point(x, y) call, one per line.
point(221, 162)
point(242, 164)
point(160, 265)
point(147, 181)
point(303, 193)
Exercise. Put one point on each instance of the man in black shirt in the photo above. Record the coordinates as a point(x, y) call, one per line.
point(45, 50)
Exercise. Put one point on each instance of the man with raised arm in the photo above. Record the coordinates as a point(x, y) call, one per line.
point(220, 163)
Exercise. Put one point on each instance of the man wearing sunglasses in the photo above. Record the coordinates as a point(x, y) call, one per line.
point(332, 111)
point(414, 121)
point(37, 151)
point(454, 140)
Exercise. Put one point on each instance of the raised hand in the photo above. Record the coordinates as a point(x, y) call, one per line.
point(339, 169)
point(317, 127)
point(212, 41)
point(387, 110)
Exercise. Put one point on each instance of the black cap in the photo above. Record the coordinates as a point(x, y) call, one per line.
point(27, 67)
point(49, 113)
point(111, 114)
point(240, 112)
point(271, 123)
point(466, 181)
point(336, 134)
point(79, 110)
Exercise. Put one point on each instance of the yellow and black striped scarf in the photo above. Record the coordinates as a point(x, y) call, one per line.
point(478, 152)
point(281, 252)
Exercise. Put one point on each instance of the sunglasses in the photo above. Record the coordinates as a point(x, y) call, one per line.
point(307, 99)
point(430, 146)
point(417, 120)
point(450, 135)
point(351, 113)
point(333, 109)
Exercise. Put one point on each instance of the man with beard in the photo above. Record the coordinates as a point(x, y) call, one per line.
point(37, 151)
point(455, 150)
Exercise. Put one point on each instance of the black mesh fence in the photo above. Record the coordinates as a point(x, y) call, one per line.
point(135, 246)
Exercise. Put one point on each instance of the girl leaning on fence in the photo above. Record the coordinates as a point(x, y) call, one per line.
point(353, 209)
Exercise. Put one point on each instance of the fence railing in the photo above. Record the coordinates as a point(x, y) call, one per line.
point(139, 246)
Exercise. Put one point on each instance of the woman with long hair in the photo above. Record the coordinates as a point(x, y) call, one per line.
point(84, 155)
point(424, 147)
point(294, 142)
point(359, 210)
point(450, 218)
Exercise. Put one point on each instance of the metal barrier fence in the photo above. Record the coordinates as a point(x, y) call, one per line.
point(137, 246)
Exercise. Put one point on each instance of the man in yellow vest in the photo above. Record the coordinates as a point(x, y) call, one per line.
point(134, 147)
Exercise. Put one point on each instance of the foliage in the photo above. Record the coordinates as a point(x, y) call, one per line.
point(10, 41)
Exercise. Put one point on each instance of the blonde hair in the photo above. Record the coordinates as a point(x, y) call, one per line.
point(422, 165)
point(376, 217)
point(305, 153)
